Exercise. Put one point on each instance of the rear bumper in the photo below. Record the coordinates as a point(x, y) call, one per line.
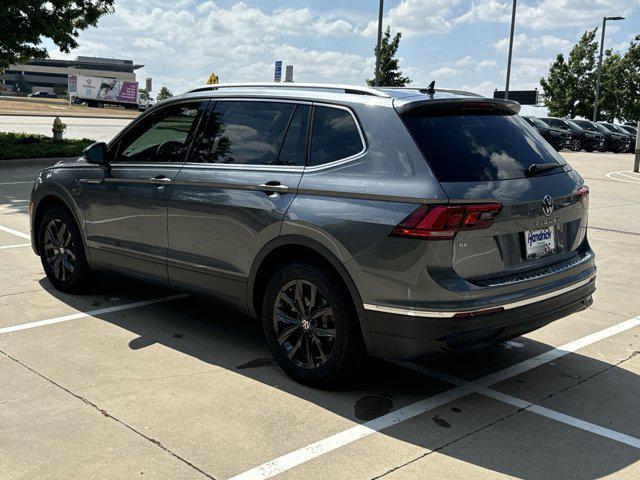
point(413, 335)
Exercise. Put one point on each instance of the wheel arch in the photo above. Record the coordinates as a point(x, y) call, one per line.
point(292, 247)
point(46, 201)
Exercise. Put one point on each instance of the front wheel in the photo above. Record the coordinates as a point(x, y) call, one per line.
point(310, 326)
point(61, 251)
point(576, 145)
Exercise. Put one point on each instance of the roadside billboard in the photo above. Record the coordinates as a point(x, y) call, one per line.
point(109, 89)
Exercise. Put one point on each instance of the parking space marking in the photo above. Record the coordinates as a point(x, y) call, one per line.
point(90, 313)
point(15, 232)
point(632, 177)
point(528, 406)
point(309, 452)
point(15, 183)
point(18, 245)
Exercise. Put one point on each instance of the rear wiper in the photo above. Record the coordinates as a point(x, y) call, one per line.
point(537, 168)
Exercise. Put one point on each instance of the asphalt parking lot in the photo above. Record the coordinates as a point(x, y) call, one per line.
point(132, 381)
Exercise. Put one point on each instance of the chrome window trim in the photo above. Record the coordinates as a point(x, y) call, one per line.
point(340, 161)
point(277, 168)
point(506, 306)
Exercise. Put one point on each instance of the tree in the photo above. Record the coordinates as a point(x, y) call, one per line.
point(25, 23)
point(631, 82)
point(612, 87)
point(390, 76)
point(569, 89)
point(163, 94)
point(60, 89)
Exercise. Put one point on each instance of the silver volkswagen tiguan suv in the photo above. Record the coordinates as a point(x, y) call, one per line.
point(391, 222)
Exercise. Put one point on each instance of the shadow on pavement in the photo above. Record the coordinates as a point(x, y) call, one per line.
point(525, 446)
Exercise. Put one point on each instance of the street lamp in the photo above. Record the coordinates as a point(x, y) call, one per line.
point(513, 24)
point(376, 82)
point(595, 104)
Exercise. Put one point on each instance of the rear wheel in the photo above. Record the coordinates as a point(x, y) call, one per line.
point(61, 250)
point(310, 326)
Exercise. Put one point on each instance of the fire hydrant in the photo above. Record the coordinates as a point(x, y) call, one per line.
point(58, 128)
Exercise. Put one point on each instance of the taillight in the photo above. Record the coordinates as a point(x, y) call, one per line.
point(442, 222)
point(583, 195)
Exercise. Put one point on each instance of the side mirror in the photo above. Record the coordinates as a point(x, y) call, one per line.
point(96, 153)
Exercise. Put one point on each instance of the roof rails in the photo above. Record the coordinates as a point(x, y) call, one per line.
point(352, 89)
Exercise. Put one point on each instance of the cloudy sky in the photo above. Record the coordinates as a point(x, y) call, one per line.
point(458, 43)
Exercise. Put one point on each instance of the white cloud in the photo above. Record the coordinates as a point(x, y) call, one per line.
point(486, 64)
point(548, 14)
point(444, 72)
point(417, 17)
point(523, 42)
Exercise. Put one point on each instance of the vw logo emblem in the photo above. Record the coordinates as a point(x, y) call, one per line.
point(547, 205)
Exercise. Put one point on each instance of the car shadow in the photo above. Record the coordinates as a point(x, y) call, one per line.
point(225, 339)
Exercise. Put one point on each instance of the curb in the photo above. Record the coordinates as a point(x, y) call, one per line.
point(61, 115)
point(26, 162)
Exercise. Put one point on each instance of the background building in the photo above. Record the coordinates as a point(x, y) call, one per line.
point(49, 75)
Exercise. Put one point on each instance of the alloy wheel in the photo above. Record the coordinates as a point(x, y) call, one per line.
point(304, 324)
point(576, 146)
point(59, 249)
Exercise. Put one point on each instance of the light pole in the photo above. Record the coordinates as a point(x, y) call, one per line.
point(376, 82)
point(595, 103)
point(513, 25)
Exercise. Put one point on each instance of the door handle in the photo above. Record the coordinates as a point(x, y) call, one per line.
point(161, 180)
point(273, 187)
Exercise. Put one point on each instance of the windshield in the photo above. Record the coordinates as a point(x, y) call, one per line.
point(619, 129)
point(538, 123)
point(602, 128)
point(574, 126)
point(472, 148)
point(609, 127)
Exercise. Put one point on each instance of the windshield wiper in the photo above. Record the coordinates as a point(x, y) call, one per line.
point(536, 168)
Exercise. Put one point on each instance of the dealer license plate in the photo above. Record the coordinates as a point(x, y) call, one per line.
point(539, 243)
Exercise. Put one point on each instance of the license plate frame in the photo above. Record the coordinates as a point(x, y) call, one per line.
point(540, 242)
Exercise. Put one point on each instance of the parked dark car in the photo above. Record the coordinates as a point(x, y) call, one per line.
point(613, 141)
point(350, 220)
point(557, 138)
point(618, 129)
point(634, 133)
point(42, 95)
point(580, 138)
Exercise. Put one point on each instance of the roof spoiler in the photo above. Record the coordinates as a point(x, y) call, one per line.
point(458, 106)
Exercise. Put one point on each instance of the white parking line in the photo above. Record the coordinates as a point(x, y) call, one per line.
point(309, 452)
point(14, 232)
point(18, 245)
point(91, 313)
point(634, 177)
point(528, 406)
point(15, 183)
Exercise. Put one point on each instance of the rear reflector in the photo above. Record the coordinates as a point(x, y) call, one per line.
point(442, 222)
point(583, 195)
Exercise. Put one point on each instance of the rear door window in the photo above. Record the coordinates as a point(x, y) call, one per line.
point(251, 133)
point(335, 136)
point(472, 148)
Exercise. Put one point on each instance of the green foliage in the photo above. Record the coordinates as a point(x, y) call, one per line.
point(24, 24)
point(390, 76)
point(22, 145)
point(163, 94)
point(570, 86)
point(60, 90)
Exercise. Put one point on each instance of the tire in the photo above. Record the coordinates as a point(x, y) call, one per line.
point(62, 251)
point(588, 149)
point(321, 350)
point(576, 145)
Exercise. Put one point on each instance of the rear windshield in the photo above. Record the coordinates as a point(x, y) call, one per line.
point(472, 148)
